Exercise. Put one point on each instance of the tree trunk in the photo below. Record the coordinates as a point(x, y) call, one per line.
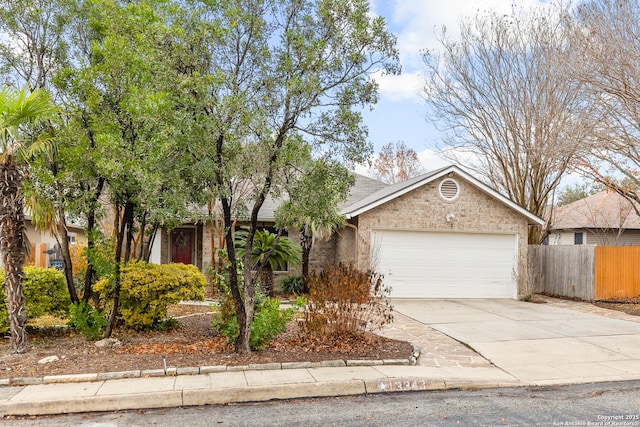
point(306, 242)
point(91, 223)
point(243, 344)
point(266, 279)
point(12, 247)
point(243, 313)
point(147, 244)
point(63, 240)
point(127, 219)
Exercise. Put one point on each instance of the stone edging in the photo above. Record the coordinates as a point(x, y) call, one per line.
point(74, 378)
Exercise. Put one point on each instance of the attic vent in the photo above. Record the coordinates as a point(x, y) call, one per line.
point(449, 190)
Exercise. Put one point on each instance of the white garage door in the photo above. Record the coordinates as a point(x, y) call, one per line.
point(446, 265)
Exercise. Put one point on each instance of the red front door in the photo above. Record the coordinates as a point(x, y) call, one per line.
point(182, 240)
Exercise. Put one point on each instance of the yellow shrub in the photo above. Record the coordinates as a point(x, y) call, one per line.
point(148, 289)
point(78, 260)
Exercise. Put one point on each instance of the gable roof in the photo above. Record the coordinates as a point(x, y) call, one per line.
point(604, 210)
point(391, 192)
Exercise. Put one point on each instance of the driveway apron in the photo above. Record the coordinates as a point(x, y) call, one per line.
point(539, 343)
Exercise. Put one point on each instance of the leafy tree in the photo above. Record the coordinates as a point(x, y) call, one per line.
point(20, 111)
point(499, 94)
point(34, 48)
point(396, 162)
point(128, 113)
point(314, 197)
point(271, 252)
point(33, 45)
point(577, 192)
point(283, 75)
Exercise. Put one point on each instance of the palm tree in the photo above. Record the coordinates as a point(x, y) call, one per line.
point(18, 109)
point(270, 252)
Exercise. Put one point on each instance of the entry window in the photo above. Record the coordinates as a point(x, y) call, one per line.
point(578, 238)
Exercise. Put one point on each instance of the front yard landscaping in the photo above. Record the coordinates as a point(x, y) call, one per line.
point(192, 343)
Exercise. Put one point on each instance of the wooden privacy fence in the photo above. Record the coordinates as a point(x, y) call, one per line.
point(617, 272)
point(585, 272)
point(37, 255)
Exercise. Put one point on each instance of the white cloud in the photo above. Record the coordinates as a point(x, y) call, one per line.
point(435, 159)
point(432, 160)
point(363, 170)
point(421, 22)
point(400, 88)
point(417, 24)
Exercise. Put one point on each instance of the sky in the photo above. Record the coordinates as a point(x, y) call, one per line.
point(400, 112)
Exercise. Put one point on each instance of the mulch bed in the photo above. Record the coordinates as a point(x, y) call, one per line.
point(193, 343)
point(626, 305)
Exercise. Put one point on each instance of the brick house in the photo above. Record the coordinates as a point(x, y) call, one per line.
point(443, 234)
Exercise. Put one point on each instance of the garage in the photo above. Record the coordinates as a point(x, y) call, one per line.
point(446, 264)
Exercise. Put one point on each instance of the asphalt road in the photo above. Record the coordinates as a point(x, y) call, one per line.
point(603, 404)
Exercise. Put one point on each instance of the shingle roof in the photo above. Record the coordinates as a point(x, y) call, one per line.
point(604, 210)
point(363, 186)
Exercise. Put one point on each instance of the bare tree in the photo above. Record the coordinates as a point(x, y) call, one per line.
point(499, 96)
point(396, 162)
point(606, 62)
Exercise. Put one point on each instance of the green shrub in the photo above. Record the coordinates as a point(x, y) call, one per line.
point(148, 289)
point(345, 301)
point(45, 291)
point(224, 320)
point(268, 322)
point(86, 319)
point(293, 285)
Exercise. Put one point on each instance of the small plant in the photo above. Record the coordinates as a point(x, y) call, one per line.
point(346, 301)
point(167, 325)
point(86, 319)
point(268, 320)
point(293, 285)
point(225, 320)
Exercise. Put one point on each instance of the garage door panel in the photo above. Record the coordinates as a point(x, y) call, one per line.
point(446, 265)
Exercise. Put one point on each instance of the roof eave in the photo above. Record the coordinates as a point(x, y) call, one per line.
point(533, 219)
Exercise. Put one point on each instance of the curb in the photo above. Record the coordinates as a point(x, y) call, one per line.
point(92, 377)
point(197, 397)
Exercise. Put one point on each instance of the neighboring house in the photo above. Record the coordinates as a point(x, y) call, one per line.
point(44, 250)
point(443, 234)
point(603, 219)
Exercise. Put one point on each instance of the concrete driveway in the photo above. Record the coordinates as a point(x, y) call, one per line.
point(536, 342)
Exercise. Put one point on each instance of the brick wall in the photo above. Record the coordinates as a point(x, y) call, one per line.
point(424, 210)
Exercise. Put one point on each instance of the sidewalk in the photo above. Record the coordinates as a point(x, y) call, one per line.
point(240, 386)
